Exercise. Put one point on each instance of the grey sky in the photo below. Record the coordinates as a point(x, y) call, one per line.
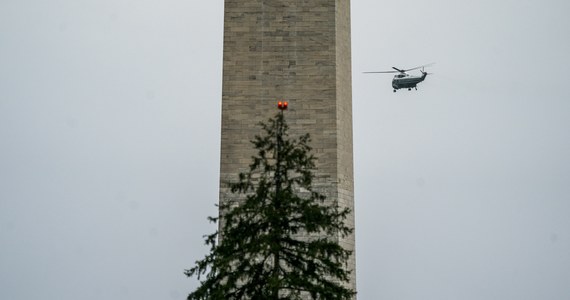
point(109, 148)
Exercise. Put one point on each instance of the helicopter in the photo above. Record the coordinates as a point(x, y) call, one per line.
point(404, 80)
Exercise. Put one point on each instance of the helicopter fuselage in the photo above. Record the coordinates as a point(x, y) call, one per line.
point(403, 81)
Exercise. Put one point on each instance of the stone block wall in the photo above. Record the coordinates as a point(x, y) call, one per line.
point(298, 51)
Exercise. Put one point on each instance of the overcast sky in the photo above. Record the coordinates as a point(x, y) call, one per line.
point(109, 148)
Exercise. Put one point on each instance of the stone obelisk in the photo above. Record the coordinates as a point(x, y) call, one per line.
point(298, 51)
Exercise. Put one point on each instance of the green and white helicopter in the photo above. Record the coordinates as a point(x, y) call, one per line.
point(403, 80)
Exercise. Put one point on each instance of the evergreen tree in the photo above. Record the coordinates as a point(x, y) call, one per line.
point(279, 240)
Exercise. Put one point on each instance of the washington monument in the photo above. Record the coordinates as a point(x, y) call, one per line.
point(298, 51)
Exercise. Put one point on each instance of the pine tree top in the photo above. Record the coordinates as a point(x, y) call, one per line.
point(279, 239)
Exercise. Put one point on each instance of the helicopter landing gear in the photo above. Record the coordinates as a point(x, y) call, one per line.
point(409, 89)
point(394, 90)
point(416, 88)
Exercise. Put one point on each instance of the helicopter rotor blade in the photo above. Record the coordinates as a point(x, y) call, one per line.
point(423, 66)
point(402, 71)
point(382, 72)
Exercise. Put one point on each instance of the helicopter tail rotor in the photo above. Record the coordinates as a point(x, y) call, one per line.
point(424, 72)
